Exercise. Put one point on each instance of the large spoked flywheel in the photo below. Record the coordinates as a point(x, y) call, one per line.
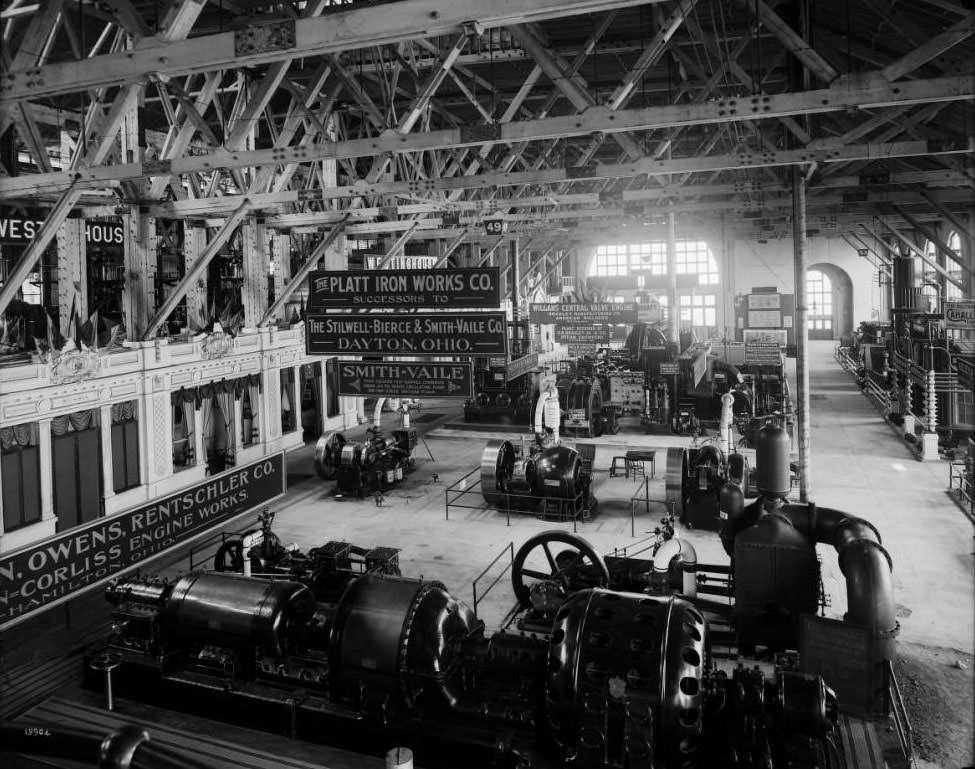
point(497, 463)
point(677, 480)
point(574, 566)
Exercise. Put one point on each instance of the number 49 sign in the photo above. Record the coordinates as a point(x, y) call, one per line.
point(495, 226)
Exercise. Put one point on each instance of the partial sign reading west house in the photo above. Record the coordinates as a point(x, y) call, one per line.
point(47, 572)
point(477, 288)
point(406, 380)
point(481, 333)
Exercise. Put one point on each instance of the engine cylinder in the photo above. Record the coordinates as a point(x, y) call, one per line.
point(223, 609)
point(772, 473)
point(557, 471)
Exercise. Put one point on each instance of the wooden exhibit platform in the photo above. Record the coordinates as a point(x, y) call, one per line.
point(215, 744)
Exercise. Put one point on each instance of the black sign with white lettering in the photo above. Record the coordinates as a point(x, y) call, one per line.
point(582, 334)
point(480, 333)
point(48, 572)
point(406, 380)
point(583, 314)
point(404, 289)
point(18, 230)
point(97, 231)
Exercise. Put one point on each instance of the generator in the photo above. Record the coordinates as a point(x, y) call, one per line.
point(499, 401)
point(362, 468)
point(591, 675)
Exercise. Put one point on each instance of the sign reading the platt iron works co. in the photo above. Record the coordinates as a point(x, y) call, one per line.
point(406, 380)
point(48, 572)
point(583, 314)
point(473, 333)
point(448, 288)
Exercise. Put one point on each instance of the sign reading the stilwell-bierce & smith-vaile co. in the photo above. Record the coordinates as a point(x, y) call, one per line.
point(48, 572)
point(443, 289)
point(474, 333)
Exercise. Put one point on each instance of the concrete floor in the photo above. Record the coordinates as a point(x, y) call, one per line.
point(859, 464)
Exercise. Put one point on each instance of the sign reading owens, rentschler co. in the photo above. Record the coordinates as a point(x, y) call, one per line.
point(47, 572)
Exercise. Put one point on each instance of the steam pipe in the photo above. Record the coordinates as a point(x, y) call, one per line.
point(864, 562)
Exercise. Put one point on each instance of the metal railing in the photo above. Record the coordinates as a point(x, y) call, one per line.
point(510, 550)
point(898, 712)
point(547, 508)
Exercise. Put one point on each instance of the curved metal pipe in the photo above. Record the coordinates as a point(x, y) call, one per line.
point(865, 564)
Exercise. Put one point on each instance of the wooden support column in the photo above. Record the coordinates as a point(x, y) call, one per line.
point(515, 278)
point(802, 330)
point(72, 282)
point(194, 244)
point(253, 291)
point(280, 249)
point(672, 309)
point(140, 269)
point(729, 283)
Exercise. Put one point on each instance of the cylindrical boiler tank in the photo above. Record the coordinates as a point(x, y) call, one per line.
point(234, 611)
point(557, 471)
point(776, 579)
point(772, 473)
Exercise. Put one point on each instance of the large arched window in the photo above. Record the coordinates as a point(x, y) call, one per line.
point(819, 294)
point(953, 266)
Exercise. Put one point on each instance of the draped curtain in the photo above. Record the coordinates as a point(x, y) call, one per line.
point(73, 422)
point(123, 412)
point(17, 436)
point(316, 389)
point(225, 399)
point(254, 393)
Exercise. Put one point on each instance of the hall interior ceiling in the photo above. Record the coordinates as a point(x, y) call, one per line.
point(577, 121)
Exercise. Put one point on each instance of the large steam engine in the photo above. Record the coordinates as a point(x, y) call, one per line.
point(361, 468)
point(501, 401)
point(598, 672)
point(536, 478)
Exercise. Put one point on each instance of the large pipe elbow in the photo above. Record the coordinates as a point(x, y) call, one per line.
point(865, 564)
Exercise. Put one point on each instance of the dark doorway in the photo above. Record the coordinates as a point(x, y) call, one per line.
point(77, 463)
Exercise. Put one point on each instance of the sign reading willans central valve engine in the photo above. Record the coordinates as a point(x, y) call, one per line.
point(471, 333)
point(405, 380)
point(404, 289)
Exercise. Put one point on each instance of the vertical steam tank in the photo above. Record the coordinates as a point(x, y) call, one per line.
point(905, 294)
point(772, 474)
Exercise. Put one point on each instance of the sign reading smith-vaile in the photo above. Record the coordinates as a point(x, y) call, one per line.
point(50, 571)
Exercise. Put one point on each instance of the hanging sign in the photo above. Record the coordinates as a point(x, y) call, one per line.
point(406, 380)
point(520, 366)
point(960, 314)
point(582, 334)
point(400, 289)
point(49, 572)
point(480, 333)
point(583, 314)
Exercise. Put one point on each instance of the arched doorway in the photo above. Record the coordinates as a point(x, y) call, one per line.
point(829, 293)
